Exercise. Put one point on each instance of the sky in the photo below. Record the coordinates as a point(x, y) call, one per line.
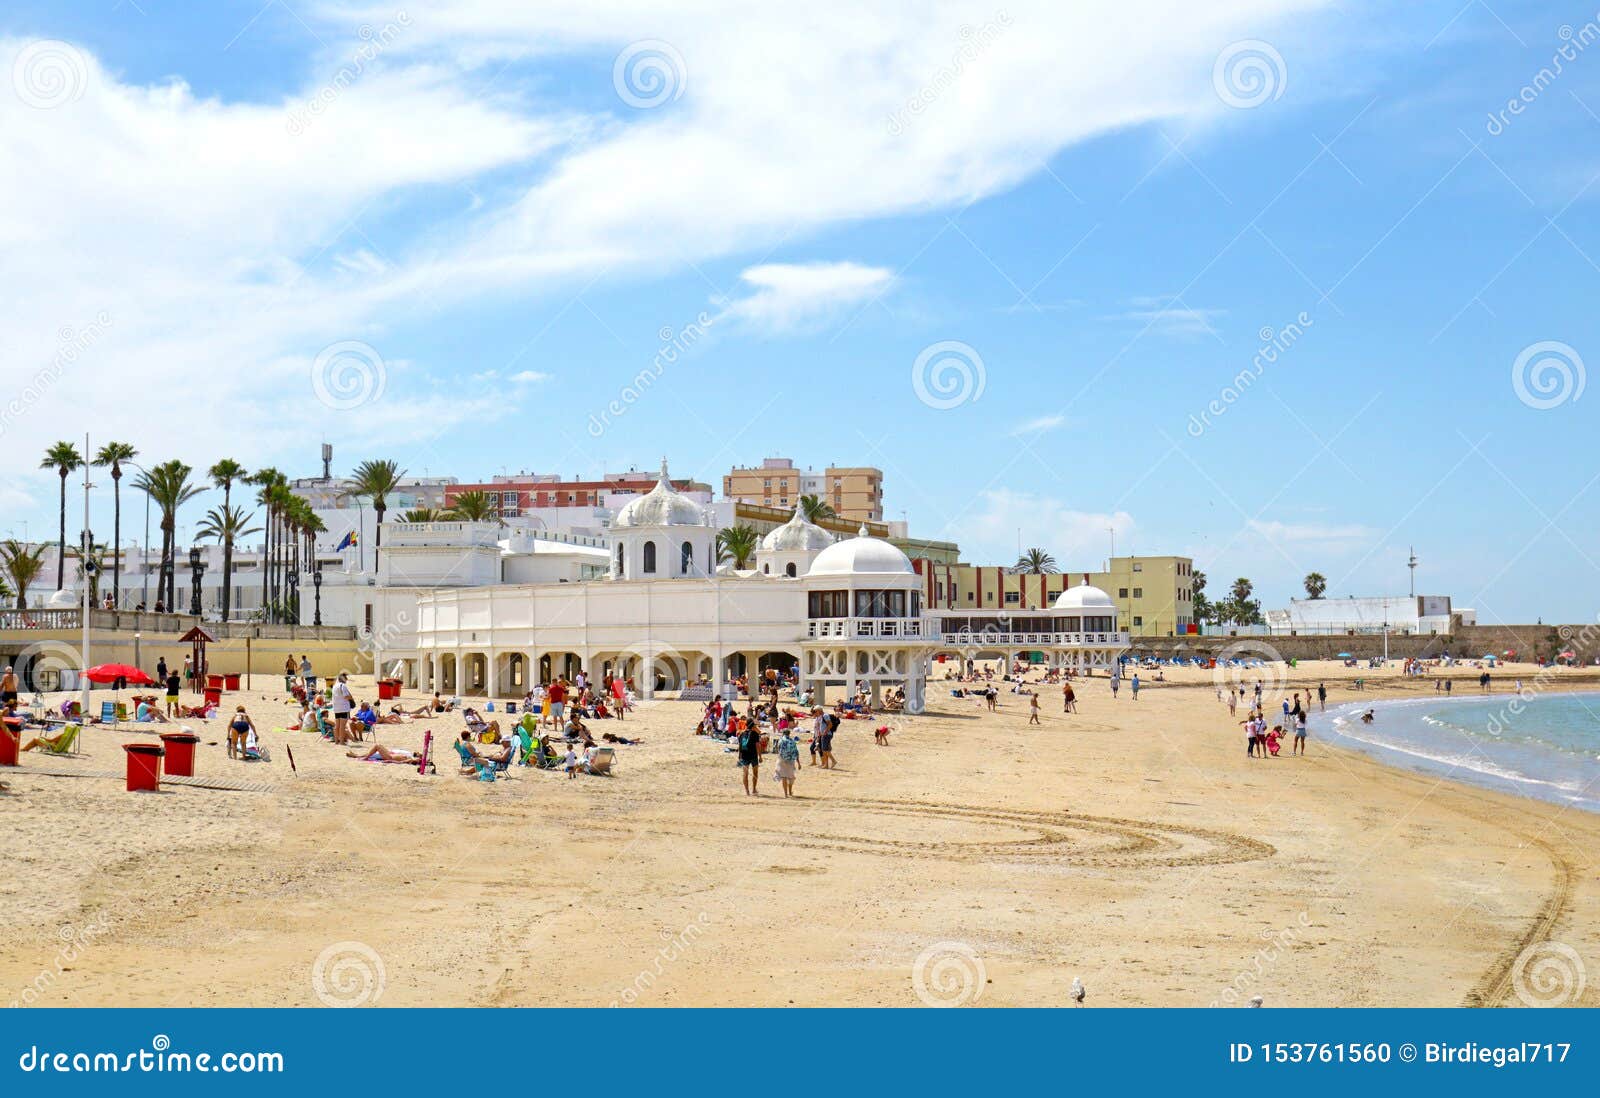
point(1281, 286)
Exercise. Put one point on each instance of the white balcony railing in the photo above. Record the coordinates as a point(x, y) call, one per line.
point(868, 628)
point(987, 639)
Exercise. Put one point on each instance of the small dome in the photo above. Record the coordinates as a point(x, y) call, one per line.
point(797, 535)
point(861, 555)
point(663, 505)
point(64, 599)
point(1084, 597)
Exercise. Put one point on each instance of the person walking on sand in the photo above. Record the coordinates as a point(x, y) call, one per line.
point(750, 758)
point(1116, 683)
point(1299, 735)
point(1233, 704)
point(288, 672)
point(788, 761)
point(305, 671)
point(1069, 698)
point(173, 685)
point(1322, 697)
point(1134, 686)
point(1033, 709)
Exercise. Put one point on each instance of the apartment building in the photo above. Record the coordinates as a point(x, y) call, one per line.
point(1154, 595)
point(524, 492)
point(854, 492)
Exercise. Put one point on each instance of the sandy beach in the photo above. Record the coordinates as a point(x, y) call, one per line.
point(974, 859)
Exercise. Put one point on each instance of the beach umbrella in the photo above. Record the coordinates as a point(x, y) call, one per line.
point(1345, 656)
point(111, 672)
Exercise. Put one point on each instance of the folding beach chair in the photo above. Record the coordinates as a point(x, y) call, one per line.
point(601, 763)
point(108, 713)
point(62, 743)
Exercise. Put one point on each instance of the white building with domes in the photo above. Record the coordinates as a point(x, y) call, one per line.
point(467, 609)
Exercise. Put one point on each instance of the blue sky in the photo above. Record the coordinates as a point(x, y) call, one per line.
point(1100, 207)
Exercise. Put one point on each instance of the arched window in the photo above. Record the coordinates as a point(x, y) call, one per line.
point(686, 559)
point(789, 570)
point(621, 561)
point(649, 557)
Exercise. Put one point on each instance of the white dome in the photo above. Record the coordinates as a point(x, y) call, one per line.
point(661, 506)
point(861, 555)
point(797, 535)
point(1084, 597)
point(64, 598)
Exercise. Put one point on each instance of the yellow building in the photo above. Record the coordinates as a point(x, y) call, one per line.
point(1154, 596)
point(854, 492)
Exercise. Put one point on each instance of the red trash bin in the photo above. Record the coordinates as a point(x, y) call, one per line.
point(180, 753)
point(10, 741)
point(213, 695)
point(213, 682)
point(144, 766)
point(231, 681)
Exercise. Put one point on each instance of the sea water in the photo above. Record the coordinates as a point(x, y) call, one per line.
point(1535, 745)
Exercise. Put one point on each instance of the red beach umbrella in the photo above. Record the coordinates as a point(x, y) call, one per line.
point(111, 672)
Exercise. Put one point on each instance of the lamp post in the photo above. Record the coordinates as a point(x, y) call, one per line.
point(197, 568)
point(316, 581)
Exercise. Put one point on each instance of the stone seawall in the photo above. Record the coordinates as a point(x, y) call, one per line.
point(1470, 642)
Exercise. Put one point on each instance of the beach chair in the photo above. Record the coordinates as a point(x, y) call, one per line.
point(601, 763)
point(62, 743)
point(108, 713)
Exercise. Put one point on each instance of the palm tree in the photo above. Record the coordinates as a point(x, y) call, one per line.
point(227, 524)
point(1036, 562)
point(375, 480)
point(223, 474)
point(266, 479)
point(1316, 584)
point(279, 502)
point(423, 514)
point(168, 487)
point(91, 565)
point(23, 565)
point(64, 458)
point(475, 506)
point(738, 544)
point(815, 510)
point(114, 454)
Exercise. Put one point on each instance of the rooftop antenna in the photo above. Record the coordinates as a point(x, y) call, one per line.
point(1412, 564)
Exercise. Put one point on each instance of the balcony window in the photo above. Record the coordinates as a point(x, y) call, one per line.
point(1138, 592)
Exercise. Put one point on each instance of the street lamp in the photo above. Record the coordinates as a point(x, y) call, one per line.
point(316, 581)
point(197, 568)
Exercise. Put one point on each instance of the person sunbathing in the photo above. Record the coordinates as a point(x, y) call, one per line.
point(505, 756)
point(379, 753)
point(468, 753)
point(488, 731)
point(609, 738)
point(149, 714)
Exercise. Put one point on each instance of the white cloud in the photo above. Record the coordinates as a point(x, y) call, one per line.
point(228, 242)
point(1038, 426)
point(793, 295)
point(1171, 317)
point(530, 377)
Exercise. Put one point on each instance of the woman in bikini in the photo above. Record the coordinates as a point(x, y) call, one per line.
point(239, 729)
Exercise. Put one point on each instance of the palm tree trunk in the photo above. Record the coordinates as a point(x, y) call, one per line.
point(61, 547)
point(116, 535)
point(266, 550)
point(377, 543)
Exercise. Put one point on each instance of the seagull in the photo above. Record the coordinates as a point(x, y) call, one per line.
point(1255, 1001)
point(1078, 991)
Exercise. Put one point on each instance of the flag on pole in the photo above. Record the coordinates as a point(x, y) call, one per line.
point(349, 540)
